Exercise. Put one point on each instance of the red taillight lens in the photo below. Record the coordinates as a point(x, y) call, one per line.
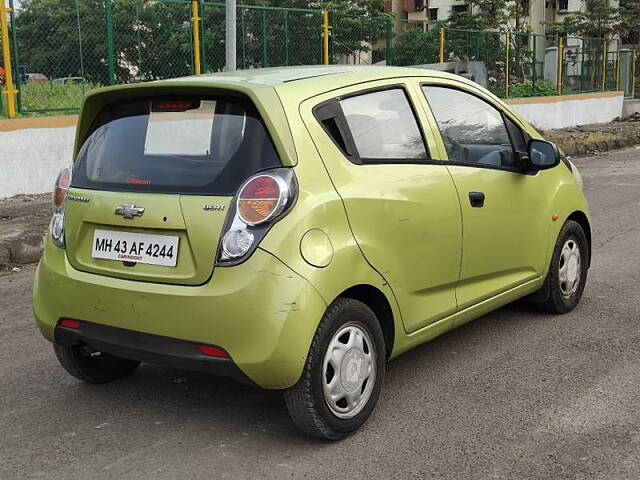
point(61, 186)
point(213, 351)
point(259, 199)
point(68, 323)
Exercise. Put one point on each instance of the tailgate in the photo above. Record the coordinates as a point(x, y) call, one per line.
point(167, 220)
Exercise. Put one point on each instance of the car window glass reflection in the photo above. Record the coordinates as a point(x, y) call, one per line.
point(473, 131)
point(383, 126)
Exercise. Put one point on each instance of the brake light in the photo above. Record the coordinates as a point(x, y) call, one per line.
point(175, 105)
point(61, 186)
point(68, 323)
point(261, 201)
point(261, 198)
point(213, 351)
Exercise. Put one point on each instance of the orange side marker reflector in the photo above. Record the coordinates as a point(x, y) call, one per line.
point(555, 217)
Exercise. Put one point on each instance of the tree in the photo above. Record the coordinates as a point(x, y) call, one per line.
point(49, 42)
point(153, 39)
point(481, 15)
point(598, 20)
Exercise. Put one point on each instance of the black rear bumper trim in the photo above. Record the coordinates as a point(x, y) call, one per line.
point(147, 347)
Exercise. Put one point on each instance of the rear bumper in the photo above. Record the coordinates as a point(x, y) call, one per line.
point(261, 312)
point(145, 347)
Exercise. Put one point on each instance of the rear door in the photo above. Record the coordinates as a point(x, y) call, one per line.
point(402, 208)
point(153, 181)
point(503, 209)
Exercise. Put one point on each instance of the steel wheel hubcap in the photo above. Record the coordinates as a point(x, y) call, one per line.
point(349, 370)
point(570, 268)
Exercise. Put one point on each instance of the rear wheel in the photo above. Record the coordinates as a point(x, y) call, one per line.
point(91, 366)
point(568, 270)
point(343, 375)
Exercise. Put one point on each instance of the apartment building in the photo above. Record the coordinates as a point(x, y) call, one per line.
point(540, 11)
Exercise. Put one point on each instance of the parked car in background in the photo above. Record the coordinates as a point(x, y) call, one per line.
point(36, 78)
point(297, 228)
point(69, 81)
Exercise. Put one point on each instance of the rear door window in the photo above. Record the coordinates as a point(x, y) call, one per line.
point(205, 146)
point(384, 127)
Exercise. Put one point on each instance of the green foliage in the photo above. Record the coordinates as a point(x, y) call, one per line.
point(481, 15)
point(540, 88)
point(48, 39)
point(599, 19)
point(415, 47)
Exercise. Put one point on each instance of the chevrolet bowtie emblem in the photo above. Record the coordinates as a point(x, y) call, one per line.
point(129, 211)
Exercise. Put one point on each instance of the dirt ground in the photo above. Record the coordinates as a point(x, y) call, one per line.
point(598, 138)
point(23, 221)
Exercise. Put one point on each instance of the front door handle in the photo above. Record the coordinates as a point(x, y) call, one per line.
point(476, 199)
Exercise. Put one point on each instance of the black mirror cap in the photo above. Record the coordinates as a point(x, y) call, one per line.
point(542, 155)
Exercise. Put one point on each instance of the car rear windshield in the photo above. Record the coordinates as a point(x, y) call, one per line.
point(205, 146)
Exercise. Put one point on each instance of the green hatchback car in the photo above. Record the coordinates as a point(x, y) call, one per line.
point(297, 228)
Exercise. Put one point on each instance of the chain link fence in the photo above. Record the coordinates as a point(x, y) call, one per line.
point(61, 50)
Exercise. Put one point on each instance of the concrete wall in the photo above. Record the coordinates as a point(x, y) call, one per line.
point(32, 151)
point(548, 113)
point(631, 107)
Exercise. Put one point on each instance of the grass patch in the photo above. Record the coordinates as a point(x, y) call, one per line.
point(44, 96)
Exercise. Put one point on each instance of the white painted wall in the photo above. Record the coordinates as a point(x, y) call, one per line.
point(570, 113)
point(31, 159)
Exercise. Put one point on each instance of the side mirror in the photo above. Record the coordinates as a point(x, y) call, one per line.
point(542, 155)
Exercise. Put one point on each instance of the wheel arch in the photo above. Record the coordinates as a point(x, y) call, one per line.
point(377, 301)
point(581, 218)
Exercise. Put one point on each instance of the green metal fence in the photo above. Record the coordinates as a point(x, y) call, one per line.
point(3, 112)
point(104, 42)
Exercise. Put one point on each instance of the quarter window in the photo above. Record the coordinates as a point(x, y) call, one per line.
point(473, 131)
point(384, 127)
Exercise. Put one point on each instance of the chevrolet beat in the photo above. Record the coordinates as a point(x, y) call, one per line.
point(297, 228)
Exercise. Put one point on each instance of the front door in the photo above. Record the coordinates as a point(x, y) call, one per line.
point(503, 210)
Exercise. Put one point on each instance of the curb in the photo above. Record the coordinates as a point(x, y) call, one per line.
point(587, 148)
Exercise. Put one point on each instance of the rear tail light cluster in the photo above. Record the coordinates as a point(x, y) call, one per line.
point(58, 197)
point(260, 202)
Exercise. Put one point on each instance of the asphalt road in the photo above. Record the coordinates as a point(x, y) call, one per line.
point(514, 395)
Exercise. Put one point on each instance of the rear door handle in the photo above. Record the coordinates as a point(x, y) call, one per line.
point(476, 199)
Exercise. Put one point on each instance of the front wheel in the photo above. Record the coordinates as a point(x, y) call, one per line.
point(343, 374)
point(568, 270)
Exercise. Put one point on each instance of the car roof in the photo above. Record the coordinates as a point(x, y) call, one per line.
point(311, 80)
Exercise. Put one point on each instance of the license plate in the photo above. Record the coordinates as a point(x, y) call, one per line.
point(135, 247)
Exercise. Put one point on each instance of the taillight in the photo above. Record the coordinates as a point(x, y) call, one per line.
point(261, 198)
point(61, 186)
point(260, 202)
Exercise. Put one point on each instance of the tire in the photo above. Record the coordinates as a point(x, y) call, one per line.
point(350, 323)
point(82, 363)
point(570, 253)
